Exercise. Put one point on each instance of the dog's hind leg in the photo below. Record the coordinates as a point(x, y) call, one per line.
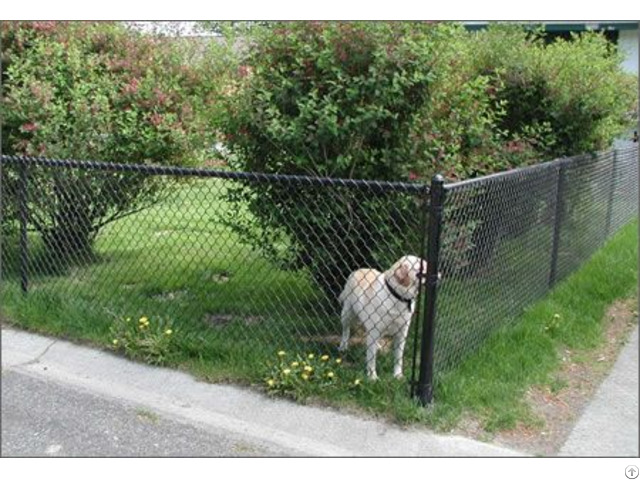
point(346, 316)
point(373, 345)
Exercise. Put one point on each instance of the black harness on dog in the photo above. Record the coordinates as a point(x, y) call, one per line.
point(408, 301)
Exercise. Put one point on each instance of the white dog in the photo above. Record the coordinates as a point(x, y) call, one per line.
point(383, 302)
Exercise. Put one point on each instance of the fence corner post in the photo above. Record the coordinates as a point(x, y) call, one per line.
point(436, 201)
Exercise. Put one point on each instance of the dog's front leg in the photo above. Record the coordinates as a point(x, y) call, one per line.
point(399, 341)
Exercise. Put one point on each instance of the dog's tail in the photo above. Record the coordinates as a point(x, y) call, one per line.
point(343, 295)
point(345, 291)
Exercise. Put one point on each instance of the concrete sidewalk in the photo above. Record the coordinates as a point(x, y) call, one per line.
point(609, 425)
point(297, 429)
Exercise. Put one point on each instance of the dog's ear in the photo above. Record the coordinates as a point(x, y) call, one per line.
point(401, 273)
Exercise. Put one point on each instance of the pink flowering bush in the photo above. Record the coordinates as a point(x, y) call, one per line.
point(101, 92)
point(329, 99)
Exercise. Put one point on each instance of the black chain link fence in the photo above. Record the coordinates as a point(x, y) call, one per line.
point(508, 238)
point(256, 261)
point(259, 261)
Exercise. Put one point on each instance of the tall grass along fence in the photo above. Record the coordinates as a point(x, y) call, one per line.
point(250, 264)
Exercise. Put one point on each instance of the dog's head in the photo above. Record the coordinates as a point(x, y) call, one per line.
point(410, 273)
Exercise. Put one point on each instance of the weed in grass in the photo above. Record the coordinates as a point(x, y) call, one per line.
point(302, 376)
point(147, 416)
point(552, 324)
point(557, 384)
point(151, 342)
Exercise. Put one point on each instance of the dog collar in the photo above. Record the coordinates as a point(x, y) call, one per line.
point(408, 301)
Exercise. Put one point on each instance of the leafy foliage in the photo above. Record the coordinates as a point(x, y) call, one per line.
point(503, 98)
point(327, 99)
point(394, 101)
point(100, 92)
point(573, 92)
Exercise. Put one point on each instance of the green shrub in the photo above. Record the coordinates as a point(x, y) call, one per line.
point(503, 98)
point(100, 92)
point(398, 101)
point(328, 99)
point(566, 97)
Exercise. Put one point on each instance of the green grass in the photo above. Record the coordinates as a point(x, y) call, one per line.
point(233, 310)
point(491, 384)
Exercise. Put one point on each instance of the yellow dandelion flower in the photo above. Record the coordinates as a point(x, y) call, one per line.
point(324, 358)
point(294, 364)
point(282, 353)
point(286, 371)
point(357, 382)
point(307, 368)
point(338, 361)
point(330, 374)
point(271, 382)
point(128, 319)
point(115, 341)
point(168, 331)
point(305, 376)
point(310, 356)
point(143, 320)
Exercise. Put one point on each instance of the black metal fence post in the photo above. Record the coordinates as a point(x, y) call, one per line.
point(23, 214)
point(425, 380)
point(612, 189)
point(420, 303)
point(2, 207)
point(558, 220)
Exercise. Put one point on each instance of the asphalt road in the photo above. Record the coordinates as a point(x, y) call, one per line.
point(42, 418)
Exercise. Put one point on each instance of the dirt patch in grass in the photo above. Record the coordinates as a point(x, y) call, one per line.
point(169, 296)
point(557, 406)
point(218, 320)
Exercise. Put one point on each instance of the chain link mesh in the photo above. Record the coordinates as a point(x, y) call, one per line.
point(247, 262)
point(508, 238)
point(254, 263)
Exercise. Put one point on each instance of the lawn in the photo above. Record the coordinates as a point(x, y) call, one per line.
point(491, 384)
point(233, 310)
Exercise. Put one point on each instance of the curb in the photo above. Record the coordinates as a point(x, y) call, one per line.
point(301, 430)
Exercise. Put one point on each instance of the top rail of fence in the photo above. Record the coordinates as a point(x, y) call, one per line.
point(540, 166)
point(254, 177)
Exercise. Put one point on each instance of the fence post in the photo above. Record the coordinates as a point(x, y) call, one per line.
point(23, 214)
point(2, 247)
point(612, 188)
point(425, 380)
point(558, 219)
